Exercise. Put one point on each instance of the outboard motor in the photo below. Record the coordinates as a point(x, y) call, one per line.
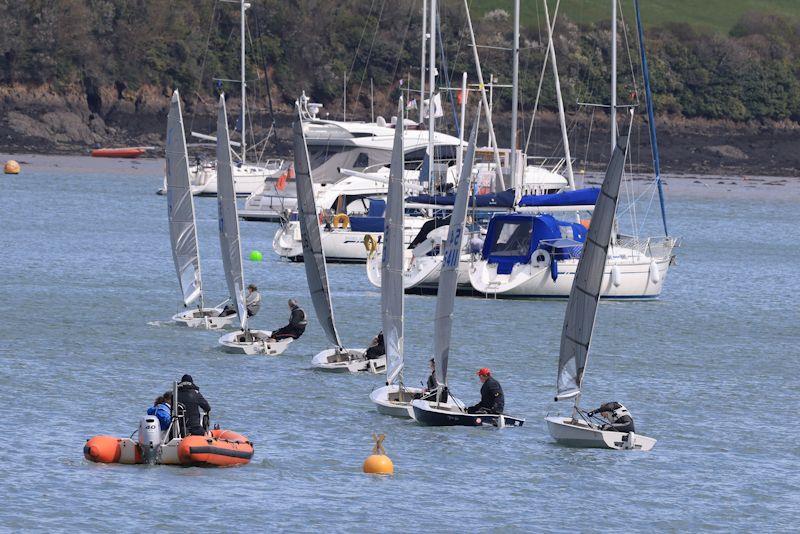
point(149, 438)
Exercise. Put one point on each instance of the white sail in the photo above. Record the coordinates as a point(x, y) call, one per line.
point(313, 255)
point(448, 278)
point(228, 217)
point(180, 207)
point(585, 294)
point(392, 291)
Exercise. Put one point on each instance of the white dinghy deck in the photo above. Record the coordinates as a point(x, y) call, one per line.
point(341, 360)
point(253, 342)
point(395, 399)
point(209, 318)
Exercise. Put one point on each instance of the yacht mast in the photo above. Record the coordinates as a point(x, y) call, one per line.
point(422, 56)
point(243, 8)
point(613, 75)
point(515, 103)
point(432, 85)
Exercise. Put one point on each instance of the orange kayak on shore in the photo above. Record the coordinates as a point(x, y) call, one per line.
point(133, 152)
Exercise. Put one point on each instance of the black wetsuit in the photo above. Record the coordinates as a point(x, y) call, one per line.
point(377, 349)
point(295, 328)
point(620, 424)
point(492, 399)
point(192, 400)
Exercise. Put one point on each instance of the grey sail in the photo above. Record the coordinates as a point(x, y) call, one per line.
point(392, 291)
point(180, 207)
point(585, 294)
point(229, 217)
point(448, 277)
point(313, 256)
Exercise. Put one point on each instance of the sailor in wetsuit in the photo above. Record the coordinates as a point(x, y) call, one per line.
point(377, 348)
point(618, 417)
point(492, 399)
point(297, 323)
point(253, 300)
point(192, 401)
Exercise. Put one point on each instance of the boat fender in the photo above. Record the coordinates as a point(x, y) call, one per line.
point(554, 270)
point(541, 258)
point(615, 276)
point(341, 219)
point(655, 274)
point(370, 244)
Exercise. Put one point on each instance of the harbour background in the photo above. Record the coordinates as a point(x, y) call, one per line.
point(710, 370)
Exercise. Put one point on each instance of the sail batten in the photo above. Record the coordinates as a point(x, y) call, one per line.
point(230, 245)
point(392, 290)
point(180, 208)
point(448, 276)
point(584, 296)
point(313, 255)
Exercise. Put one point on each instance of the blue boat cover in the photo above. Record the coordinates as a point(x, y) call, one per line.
point(373, 220)
point(504, 199)
point(513, 238)
point(579, 197)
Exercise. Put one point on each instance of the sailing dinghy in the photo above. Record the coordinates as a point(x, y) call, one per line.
point(336, 359)
point(442, 409)
point(183, 229)
point(580, 430)
point(394, 398)
point(244, 340)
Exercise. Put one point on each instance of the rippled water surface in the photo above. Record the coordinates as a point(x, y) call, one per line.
point(86, 277)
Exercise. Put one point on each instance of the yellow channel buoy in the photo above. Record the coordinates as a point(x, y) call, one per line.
point(11, 167)
point(378, 463)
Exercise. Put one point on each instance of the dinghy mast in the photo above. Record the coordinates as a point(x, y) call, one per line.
point(313, 255)
point(392, 291)
point(229, 218)
point(448, 278)
point(180, 208)
point(585, 294)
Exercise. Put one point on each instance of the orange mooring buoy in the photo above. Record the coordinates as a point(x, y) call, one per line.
point(11, 167)
point(378, 463)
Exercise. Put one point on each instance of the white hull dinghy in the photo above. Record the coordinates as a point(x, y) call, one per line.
point(253, 342)
point(183, 229)
point(244, 340)
point(338, 358)
point(579, 321)
point(583, 434)
point(395, 400)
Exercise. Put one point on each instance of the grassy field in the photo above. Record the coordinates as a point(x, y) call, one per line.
point(714, 15)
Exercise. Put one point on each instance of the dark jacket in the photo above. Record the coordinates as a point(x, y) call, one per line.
point(298, 320)
point(492, 399)
point(192, 400)
point(431, 385)
point(619, 424)
point(377, 348)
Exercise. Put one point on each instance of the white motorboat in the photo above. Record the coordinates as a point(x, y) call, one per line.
point(244, 340)
point(334, 147)
point(578, 430)
point(183, 230)
point(338, 358)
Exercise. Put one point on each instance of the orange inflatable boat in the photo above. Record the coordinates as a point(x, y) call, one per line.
point(218, 448)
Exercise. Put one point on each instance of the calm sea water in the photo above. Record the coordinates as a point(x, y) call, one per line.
point(86, 278)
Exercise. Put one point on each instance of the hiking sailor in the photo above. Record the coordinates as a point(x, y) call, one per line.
point(492, 399)
point(297, 323)
point(618, 417)
point(377, 348)
point(253, 300)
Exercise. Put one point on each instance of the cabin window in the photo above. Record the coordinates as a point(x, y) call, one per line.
point(362, 161)
point(513, 239)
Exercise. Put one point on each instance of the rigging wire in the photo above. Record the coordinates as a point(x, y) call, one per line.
point(412, 5)
point(369, 54)
point(203, 62)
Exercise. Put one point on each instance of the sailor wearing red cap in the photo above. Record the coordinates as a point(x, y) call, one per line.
point(492, 399)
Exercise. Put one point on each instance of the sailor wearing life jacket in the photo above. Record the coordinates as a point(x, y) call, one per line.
point(253, 300)
point(297, 323)
point(618, 417)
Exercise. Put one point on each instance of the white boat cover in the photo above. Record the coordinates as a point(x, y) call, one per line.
point(392, 292)
point(448, 279)
point(228, 217)
point(180, 207)
point(313, 255)
point(585, 294)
